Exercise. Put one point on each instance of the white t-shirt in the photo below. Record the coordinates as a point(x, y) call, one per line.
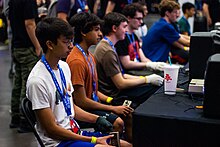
point(41, 90)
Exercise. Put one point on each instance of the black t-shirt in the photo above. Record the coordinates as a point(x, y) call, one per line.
point(19, 11)
point(120, 4)
point(214, 10)
point(126, 47)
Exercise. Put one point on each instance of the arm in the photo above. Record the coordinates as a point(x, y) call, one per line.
point(122, 83)
point(88, 104)
point(30, 26)
point(205, 9)
point(82, 115)
point(47, 121)
point(62, 16)
point(182, 41)
point(110, 7)
point(96, 5)
point(143, 57)
point(128, 64)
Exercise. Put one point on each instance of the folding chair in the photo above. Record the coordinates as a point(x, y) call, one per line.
point(26, 107)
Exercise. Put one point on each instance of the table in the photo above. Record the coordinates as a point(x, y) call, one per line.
point(165, 120)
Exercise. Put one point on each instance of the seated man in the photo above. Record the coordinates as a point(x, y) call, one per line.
point(130, 54)
point(50, 90)
point(188, 11)
point(160, 37)
point(112, 80)
point(84, 75)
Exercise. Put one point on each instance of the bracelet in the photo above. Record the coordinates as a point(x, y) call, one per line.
point(143, 77)
point(109, 100)
point(93, 140)
point(185, 48)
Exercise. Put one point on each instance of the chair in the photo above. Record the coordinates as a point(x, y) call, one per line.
point(26, 107)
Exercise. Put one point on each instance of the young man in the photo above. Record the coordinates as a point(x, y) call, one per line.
point(160, 37)
point(50, 90)
point(83, 71)
point(130, 54)
point(112, 80)
point(188, 11)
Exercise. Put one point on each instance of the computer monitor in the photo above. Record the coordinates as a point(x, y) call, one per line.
point(202, 46)
point(211, 101)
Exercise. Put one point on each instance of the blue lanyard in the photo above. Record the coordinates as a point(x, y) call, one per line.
point(65, 97)
point(132, 41)
point(113, 47)
point(130, 1)
point(82, 4)
point(92, 70)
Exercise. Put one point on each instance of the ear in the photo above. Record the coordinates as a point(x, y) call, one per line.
point(114, 28)
point(49, 44)
point(83, 34)
point(167, 13)
point(129, 18)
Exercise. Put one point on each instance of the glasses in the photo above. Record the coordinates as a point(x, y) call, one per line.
point(138, 18)
point(68, 42)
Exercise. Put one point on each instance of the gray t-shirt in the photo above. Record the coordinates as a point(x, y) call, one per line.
point(107, 64)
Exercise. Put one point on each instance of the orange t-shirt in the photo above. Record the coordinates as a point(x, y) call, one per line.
point(80, 70)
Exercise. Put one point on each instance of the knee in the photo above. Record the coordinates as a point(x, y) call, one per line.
point(118, 124)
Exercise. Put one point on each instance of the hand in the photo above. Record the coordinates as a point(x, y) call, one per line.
point(102, 125)
point(102, 140)
point(155, 65)
point(122, 110)
point(39, 52)
point(154, 79)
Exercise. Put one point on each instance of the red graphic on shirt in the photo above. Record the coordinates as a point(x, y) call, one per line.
point(168, 78)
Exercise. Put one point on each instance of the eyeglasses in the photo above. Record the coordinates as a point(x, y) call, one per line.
point(68, 42)
point(138, 18)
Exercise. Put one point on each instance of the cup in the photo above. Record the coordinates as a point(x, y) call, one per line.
point(170, 79)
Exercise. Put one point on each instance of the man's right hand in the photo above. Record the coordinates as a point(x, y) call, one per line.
point(155, 79)
point(122, 110)
point(103, 140)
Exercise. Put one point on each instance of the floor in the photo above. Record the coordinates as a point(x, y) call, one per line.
point(9, 137)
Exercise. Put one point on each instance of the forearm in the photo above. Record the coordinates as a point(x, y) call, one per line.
point(30, 28)
point(89, 104)
point(110, 7)
point(127, 81)
point(134, 65)
point(84, 116)
point(143, 57)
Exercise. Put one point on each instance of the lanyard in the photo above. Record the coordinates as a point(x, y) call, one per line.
point(130, 1)
point(92, 71)
point(82, 4)
point(63, 94)
point(113, 47)
point(132, 41)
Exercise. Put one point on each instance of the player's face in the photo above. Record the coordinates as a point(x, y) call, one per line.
point(63, 47)
point(121, 30)
point(136, 21)
point(93, 36)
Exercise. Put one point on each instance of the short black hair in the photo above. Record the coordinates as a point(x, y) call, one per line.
point(51, 29)
point(187, 6)
point(83, 23)
point(131, 9)
point(111, 19)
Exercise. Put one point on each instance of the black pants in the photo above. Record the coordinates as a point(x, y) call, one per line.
point(137, 95)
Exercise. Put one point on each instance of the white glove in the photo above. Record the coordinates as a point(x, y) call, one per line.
point(154, 79)
point(155, 65)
